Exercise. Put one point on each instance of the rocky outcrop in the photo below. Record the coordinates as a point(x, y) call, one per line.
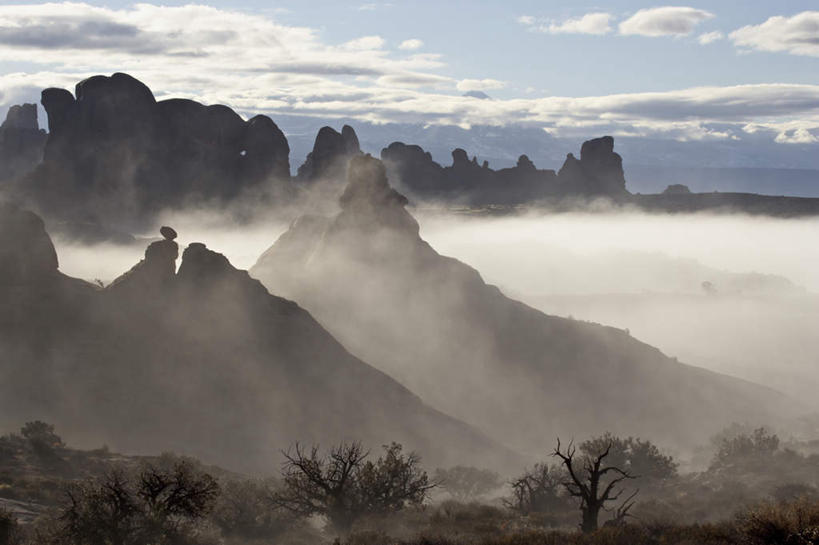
point(117, 155)
point(331, 152)
point(155, 272)
point(521, 376)
point(21, 142)
point(27, 255)
point(203, 361)
point(465, 181)
point(598, 172)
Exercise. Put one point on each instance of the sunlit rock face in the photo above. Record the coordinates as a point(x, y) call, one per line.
point(201, 361)
point(519, 375)
point(21, 142)
point(117, 155)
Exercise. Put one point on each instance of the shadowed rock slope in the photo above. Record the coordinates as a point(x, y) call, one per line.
point(202, 361)
point(518, 374)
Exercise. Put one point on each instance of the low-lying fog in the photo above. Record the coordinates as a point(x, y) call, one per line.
point(730, 293)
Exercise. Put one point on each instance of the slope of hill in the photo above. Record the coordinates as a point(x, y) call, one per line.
point(203, 361)
point(520, 375)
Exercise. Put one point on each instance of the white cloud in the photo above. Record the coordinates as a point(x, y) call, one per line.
point(591, 23)
point(364, 43)
point(411, 45)
point(798, 35)
point(664, 21)
point(796, 136)
point(479, 85)
point(597, 23)
point(266, 67)
point(710, 37)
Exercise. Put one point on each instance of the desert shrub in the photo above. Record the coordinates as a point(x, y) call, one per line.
point(465, 483)
point(746, 452)
point(640, 458)
point(8, 527)
point(790, 523)
point(246, 509)
point(154, 506)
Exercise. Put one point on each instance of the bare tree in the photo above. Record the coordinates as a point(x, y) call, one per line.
point(588, 481)
point(343, 485)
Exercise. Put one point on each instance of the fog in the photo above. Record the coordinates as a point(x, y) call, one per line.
point(645, 273)
point(242, 243)
point(755, 319)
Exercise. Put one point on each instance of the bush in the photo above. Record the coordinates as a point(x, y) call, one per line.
point(246, 510)
point(465, 483)
point(154, 506)
point(8, 527)
point(791, 523)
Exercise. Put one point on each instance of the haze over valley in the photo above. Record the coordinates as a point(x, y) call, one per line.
point(313, 273)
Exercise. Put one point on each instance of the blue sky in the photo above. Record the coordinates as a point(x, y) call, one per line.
point(727, 70)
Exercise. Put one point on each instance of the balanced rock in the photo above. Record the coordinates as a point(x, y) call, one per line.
point(168, 232)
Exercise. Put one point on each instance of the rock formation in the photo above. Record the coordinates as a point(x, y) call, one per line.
point(203, 361)
point(21, 142)
point(519, 375)
point(598, 172)
point(116, 155)
point(26, 252)
point(465, 181)
point(151, 275)
point(331, 151)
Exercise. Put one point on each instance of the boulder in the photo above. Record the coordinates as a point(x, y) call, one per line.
point(27, 255)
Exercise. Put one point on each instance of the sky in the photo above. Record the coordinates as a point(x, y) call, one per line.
point(695, 71)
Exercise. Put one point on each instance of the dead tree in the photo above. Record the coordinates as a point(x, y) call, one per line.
point(588, 482)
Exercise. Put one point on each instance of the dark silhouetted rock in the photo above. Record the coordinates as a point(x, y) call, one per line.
point(148, 277)
point(331, 152)
point(116, 155)
point(21, 116)
point(203, 362)
point(465, 181)
point(169, 233)
point(598, 172)
point(26, 252)
point(21, 142)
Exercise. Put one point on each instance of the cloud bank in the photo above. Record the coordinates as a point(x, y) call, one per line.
point(257, 65)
